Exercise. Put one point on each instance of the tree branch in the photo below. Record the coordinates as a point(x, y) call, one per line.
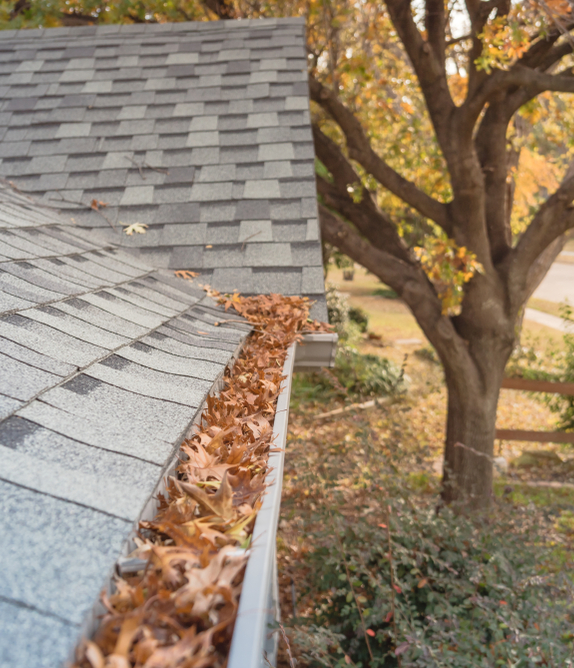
point(542, 49)
point(430, 73)
point(519, 76)
point(360, 149)
point(435, 24)
point(363, 213)
point(554, 218)
point(409, 281)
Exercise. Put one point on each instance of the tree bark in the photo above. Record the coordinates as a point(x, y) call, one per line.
point(470, 433)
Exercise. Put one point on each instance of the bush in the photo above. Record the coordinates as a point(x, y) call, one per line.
point(368, 375)
point(387, 293)
point(358, 316)
point(463, 593)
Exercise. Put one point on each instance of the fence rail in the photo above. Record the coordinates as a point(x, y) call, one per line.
point(528, 385)
point(538, 386)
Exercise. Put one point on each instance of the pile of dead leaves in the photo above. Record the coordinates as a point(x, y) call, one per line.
point(179, 609)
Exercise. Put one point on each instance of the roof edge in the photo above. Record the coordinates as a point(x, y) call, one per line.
point(139, 28)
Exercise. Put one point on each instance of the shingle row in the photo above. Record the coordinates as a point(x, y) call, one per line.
point(104, 364)
point(199, 132)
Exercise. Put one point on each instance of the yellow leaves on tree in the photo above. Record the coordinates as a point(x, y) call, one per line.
point(179, 609)
point(503, 42)
point(449, 267)
point(535, 179)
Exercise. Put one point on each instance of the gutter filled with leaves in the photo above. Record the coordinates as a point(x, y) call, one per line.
point(176, 603)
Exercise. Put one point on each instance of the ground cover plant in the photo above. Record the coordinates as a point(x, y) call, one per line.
point(371, 574)
point(179, 608)
point(383, 579)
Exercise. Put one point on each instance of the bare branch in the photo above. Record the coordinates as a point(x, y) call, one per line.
point(363, 212)
point(554, 218)
point(409, 281)
point(502, 81)
point(435, 23)
point(360, 149)
point(430, 73)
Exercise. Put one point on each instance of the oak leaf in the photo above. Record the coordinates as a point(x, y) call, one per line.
point(135, 228)
point(220, 503)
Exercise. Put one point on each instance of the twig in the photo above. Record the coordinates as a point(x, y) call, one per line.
point(474, 452)
point(292, 661)
point(141, 165)
point(386, 401)
point(357, 604)
point(249, 237)
point(393, 590)
point(331, 376)
point(87, 206)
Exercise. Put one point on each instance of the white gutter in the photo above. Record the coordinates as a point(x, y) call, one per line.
point(316, 350)
point(255, 640)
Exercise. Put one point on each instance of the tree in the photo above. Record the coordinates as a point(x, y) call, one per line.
point(510, 56)
point(421, 109)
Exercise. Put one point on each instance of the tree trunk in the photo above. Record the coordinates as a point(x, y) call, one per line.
point(470, 431)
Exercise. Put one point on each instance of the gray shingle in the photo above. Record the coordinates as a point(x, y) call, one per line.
point(206, 192)
point(286, 281)
point(268, 255)
point(22, 381)
point(83, 310)
point(73, 547)
point(53, 637)
point(149, 383)
point(278, 169)
point(253, 210)
point(49, 341)
point(137, 195)
point(256, 230)
point(222, 234)
point(77, 327)
point(283, 151)
point(186, 257)
point(38, 458)
point(263, 189)
point(33, 358)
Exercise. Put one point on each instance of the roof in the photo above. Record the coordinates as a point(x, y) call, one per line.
point(199, 130)
point(105, 363)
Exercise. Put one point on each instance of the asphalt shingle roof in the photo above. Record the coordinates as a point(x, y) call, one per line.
point(105, 363)
point(202, 132)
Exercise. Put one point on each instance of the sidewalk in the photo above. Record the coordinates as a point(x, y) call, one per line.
point(546, 319)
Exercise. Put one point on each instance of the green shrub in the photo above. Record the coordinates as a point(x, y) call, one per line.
point(359, 316)
point(467, 593)
point(387, 293)
point(368, 375)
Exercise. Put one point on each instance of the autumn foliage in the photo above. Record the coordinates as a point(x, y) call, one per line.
point(179, 609)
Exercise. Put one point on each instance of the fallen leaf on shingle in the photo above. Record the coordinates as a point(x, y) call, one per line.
point(135, 228)
point(187, 275)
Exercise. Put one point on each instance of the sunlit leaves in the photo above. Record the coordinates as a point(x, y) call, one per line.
point(449, 267)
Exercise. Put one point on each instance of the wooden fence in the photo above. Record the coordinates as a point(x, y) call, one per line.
point(536, 436)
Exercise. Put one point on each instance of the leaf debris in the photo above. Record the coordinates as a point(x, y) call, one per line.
point(180, 609)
